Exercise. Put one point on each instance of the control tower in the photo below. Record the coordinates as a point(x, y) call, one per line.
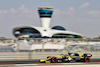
point(45, 14)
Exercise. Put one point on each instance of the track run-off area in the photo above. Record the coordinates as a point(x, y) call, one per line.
point(92, 64)
point(35, 63)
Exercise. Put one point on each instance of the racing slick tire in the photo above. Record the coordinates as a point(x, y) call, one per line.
point(54, 60)
point(87, 59)
point(48, 56)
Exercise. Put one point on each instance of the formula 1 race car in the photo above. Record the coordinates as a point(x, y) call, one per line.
point(71, 57)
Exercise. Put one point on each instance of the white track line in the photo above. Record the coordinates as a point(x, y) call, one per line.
point(26, 64)
point(48, 64)
point(42, 64)
point(71, 63)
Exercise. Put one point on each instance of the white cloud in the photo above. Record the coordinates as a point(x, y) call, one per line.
point(57, 11)
point(24, 10)
point(21, 7)
point(86, 4)
point(94, 12)
point(65, 12)
point(3, 11)
point(70, 10)
point(13, 10)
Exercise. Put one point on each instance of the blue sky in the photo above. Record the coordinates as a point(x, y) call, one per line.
point(81, 16)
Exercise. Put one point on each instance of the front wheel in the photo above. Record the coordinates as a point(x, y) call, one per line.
point(54, 60)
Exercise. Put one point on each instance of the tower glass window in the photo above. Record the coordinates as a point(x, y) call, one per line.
point(59, 28)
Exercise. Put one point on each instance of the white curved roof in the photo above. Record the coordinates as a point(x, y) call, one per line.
point(49, 32)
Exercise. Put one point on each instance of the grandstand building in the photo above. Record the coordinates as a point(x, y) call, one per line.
point(45, 31)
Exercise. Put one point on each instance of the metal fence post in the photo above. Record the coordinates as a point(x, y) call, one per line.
point(88, 46)
point(43, 46)
point(30, 54)
point(66, 45)
point(18, 49)
point(17, 45)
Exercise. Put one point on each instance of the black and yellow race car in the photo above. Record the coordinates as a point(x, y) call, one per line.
point(70, 57)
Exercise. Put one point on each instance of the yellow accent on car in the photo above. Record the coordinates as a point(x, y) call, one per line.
point(81, 56)
point(63, 50)
point(71, 56)
point(42, 60)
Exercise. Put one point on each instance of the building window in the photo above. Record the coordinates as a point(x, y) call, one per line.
point(61, 35)
point(45, 30)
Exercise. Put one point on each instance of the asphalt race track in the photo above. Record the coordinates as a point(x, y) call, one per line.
point(64, 66)
point(78, 64)
point(34, 61)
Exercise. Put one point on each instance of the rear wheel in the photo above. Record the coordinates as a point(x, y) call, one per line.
point(87, 59)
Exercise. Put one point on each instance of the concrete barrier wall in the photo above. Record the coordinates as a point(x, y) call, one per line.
point(37, 55)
